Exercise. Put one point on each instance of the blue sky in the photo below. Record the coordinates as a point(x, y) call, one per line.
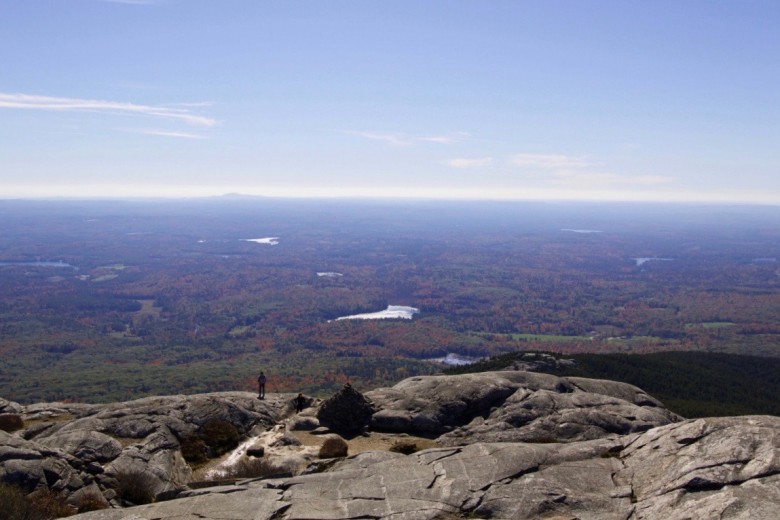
point(595, 100)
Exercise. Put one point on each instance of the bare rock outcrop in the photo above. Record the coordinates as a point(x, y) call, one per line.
point(33, 466)
point(7, 406)
point(706, 468)
point(70, 447)
point(511, 406)
point(516, 445)
point(725, 467)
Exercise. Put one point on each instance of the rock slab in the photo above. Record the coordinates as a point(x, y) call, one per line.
point(73, 448)
point(512, 406)
point(725, 468)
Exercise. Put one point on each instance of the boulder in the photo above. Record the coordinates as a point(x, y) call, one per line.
point(11, 422)
point(333, 446)
point(300, 423)
point(88, 446)
point(286, 440)
point(348, 412)
point(7, 406)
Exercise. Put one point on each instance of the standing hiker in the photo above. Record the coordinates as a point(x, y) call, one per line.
point(261, 386)
point(300, 403)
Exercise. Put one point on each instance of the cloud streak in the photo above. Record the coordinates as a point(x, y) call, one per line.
point(599, 179)
point(456, 137)
point(548, 161)
point(33, 102)
point(391, 139)
point(464, 163)
point(165, 133)
point(400, 139)
point(575, 172)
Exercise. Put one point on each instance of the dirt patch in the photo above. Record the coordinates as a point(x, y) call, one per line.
point(127, 441)
point(296, 457)
point(39, 418)
point(371, 442)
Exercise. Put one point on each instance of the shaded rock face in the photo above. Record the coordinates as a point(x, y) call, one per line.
point(7, 406)
point(508, 406)
point(31, 466)
point(70, 447)
point(348, 412)
point(705, 468)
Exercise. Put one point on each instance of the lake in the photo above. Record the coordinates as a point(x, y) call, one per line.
point(39, 263)
point(392, 312)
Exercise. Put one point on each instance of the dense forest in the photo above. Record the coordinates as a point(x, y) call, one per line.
point(692, 384)
point(103, 301)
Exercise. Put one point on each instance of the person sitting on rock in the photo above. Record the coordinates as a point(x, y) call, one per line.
point(261, 386)
point(300, 403)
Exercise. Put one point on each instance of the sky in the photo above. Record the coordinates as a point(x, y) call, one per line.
point(481, 99)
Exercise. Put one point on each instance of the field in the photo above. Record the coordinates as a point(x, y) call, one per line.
point(103, 301)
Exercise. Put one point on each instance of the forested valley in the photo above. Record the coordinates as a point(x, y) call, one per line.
point(104, 301)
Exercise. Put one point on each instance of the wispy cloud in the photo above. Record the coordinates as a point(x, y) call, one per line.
point(456, 137)
point(391, 139)
point(548, 161)
point(164, 133)
point(195, 104)
point(401, 139)
point(600, 179)
point(566, 171)
point(464, 163)
point(33, 102)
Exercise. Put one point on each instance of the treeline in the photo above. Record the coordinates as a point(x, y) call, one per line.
point(692, 384)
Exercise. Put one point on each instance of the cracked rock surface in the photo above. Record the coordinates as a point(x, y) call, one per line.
point(513, 445)
point(508, 406)
point(74, 448)
point(704, 468)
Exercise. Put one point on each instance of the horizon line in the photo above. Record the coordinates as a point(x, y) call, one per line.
point(374, 197)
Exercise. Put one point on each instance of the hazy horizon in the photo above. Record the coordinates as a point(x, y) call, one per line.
point(173, 194)
point(368, 198)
